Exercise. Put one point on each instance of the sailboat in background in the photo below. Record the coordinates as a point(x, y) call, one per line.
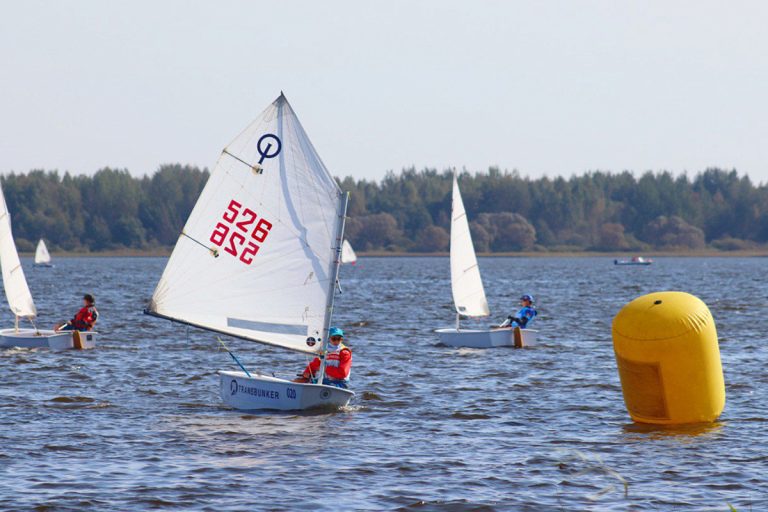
point(42, 256)
point(21, 302)
point(468, 291)
point(259, 258)
point(347, 253)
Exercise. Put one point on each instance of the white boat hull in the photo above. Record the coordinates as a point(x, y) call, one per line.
point(261, 392)
point(476, 338)
point(30, 338)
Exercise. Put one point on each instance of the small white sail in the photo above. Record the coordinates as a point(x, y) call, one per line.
point(14, 281)
point(42, 256)
point(347, 253)
point(466, 283)
point(272, 214)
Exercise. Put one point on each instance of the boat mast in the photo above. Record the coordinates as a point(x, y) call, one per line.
point(332, 284)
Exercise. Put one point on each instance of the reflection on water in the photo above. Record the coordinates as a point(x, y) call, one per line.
point(138, 423)
point(683, 432)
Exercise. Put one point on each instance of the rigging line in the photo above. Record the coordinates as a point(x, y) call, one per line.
point(273, 262)
point(264, 284)
point(246, 137)
point(202, 203)
point(234, 357)
point(313, 158)
point(254, 168)
point(213, 251)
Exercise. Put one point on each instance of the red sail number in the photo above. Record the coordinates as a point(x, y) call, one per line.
point(233, 240)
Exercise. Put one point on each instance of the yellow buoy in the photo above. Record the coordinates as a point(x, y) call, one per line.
point(669, 360)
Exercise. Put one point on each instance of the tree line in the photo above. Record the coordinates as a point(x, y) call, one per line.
point(411, 211)
point(110, 210)
point(599, 211)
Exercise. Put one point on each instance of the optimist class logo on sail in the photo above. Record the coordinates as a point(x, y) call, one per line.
point(240, 235)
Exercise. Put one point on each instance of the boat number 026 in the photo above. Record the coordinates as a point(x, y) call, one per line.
point(241, 232)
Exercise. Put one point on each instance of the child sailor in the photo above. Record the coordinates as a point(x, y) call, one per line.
point(524, 316)
point(338, 362)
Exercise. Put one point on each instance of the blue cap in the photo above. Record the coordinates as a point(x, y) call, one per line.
point(528, 298)
point(335, 331)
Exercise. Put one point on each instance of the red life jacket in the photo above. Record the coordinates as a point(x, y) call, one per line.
point(85, 318)
point(337, 364)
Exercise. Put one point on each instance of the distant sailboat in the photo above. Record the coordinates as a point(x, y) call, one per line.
point(635, 261)
point(259, 258)
point(347, 253)
point(42, 256)
point(468, 291)
point(21, 302)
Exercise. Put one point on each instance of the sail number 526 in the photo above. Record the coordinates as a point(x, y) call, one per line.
point(240, 232)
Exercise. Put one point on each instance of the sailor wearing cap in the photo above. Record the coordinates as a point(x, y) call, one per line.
point(523, 317)
point(338, 362)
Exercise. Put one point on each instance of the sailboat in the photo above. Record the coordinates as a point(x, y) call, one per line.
point(259, 258)
point(42, 256)
point(347, 253)
point(21, 302)
point(469, 293)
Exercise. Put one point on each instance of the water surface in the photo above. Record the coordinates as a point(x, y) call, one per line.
point(138, 424)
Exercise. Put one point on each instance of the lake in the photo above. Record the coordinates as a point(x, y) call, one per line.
point(138, 423)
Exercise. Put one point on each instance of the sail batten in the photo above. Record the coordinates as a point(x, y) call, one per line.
point(153, 313)
point(466, 283)
point(14, 281)
point(274, 225)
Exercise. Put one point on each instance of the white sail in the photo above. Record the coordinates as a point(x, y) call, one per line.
point(347, 253)
point(41, 253)
point(14, 281)
point(466, 283)
point(273, 215)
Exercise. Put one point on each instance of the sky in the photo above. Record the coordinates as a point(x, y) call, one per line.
point(544, 87)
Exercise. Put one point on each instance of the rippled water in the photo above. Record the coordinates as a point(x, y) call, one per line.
point(138, 424)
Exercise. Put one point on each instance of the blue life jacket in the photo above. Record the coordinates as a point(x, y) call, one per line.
point(528, 313)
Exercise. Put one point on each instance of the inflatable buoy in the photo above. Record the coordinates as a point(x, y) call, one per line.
point(669, 360)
